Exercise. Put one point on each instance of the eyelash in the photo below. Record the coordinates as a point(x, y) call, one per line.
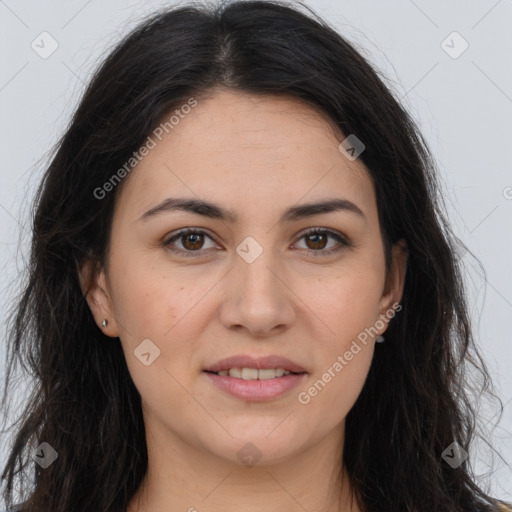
point(319, 253)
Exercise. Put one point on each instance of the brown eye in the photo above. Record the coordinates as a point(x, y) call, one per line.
point(316, 240)
point(191, 240)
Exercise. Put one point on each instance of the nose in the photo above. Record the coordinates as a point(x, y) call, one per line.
point(258, 297)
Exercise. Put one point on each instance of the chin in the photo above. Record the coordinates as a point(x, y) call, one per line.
point(255, 446)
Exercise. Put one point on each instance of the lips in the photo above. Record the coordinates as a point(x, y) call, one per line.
point(260, 363)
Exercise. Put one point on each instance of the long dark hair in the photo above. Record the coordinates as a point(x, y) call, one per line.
point(414, 403)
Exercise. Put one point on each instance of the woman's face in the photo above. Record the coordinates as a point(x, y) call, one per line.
point(254, 285)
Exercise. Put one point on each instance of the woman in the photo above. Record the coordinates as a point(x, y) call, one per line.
point(243, 292)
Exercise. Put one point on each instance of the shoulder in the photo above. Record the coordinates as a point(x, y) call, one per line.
point(504, 507)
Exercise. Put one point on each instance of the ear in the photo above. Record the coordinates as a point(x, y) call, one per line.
point(395, 281)
point(93, 282)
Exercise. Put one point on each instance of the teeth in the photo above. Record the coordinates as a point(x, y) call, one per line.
point(270, 373)
point(254, 373)
point(235, 372)
point(248, 373)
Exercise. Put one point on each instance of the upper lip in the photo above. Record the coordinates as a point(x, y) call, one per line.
point(261, 363)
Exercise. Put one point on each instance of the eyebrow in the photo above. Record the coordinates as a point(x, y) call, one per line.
point(214, 211)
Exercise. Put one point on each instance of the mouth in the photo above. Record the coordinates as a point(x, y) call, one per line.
point(255, 379)
point(254, 373)
point(249, 367)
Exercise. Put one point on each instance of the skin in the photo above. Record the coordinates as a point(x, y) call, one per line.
point(256, 156)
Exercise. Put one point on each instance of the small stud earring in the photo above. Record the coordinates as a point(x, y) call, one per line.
point(104, 323)
point(379, 339)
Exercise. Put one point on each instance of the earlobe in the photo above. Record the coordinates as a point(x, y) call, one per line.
point(94, 288)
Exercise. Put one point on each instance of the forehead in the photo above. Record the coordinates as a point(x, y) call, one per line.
point(225, 119)
point(233, 146)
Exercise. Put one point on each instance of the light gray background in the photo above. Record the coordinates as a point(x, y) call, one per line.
point(463, 106)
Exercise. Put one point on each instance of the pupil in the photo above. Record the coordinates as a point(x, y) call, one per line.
point(193, 236)
point(311, 237)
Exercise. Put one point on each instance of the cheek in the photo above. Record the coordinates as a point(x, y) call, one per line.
point(157, 304)
point(334, 388)
point(347, 383)
point(348, 303)
point(152, 306)
point(148, 300)
point(139, 303)
point(332, 392)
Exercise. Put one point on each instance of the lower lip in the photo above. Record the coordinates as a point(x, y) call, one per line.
point(256, 390)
